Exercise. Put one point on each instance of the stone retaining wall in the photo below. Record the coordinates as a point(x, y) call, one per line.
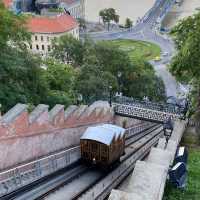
point(28, 136)
point(148, 179)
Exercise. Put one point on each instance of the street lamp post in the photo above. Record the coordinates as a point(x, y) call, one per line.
point(110, 95)
point(119, 74)
point(79, 99)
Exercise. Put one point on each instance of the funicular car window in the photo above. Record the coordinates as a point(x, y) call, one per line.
point(85, 145)
point(103, 152)
point(94, 146)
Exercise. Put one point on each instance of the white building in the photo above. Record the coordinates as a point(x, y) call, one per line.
point(44, 29)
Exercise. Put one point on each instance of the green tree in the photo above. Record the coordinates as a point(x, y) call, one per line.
point(103, 61)
point(21, 78)
point(108, 15)
point(128, 23)
point(94, 84)
point(186, 63)
point(60, 80)
point(68, 49)
point(82, 24)
point(137, 79)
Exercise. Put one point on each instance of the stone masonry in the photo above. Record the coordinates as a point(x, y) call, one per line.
point(28, 136)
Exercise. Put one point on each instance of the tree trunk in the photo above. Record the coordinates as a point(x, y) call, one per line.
point(198, 105)
point(108, 26)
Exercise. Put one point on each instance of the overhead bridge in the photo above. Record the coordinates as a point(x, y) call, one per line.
point(145, 110)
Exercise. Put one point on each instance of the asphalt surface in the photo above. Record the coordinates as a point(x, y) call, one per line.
point(145, 30)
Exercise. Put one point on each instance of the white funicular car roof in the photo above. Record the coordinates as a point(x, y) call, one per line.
point(103, 133)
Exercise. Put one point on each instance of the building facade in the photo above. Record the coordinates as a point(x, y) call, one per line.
point(44, 29)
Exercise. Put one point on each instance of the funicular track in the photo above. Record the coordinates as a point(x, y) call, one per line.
point(101, 188)
point(41, 188)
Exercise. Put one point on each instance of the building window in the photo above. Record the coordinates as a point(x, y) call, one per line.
point(36, 38)
point(37, 47)
point(49, 48)
point(43, 47)
point(41, 38)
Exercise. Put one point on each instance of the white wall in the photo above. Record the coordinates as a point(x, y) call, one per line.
point(44, 41)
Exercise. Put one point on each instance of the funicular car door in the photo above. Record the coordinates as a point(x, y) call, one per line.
point(95, 151)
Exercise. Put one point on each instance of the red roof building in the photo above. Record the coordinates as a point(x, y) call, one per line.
point(57, 24)
point(44, 29)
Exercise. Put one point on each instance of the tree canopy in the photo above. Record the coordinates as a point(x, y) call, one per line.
point(186, 63)
point(128, 23)
point(109, 15)
point(20, 72)
point(94, 67)
point(100, 65)
point(22, 78)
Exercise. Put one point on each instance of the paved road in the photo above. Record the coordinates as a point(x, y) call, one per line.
point(168, 79)
point(146, 30)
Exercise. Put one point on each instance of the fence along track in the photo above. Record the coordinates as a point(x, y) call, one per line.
point(30, 173)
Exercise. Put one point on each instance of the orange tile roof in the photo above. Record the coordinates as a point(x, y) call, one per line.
point(57, 24)
point(7, 3)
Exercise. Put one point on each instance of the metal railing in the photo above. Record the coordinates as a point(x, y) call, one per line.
point(22, 175)
point(148, 105)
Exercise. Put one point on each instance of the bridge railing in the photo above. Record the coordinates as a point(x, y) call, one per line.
point(148, 105)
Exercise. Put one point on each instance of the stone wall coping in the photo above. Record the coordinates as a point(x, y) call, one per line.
point(71, 109)
point(80, 110)
point(160, 157)
point(13, 113)
point(120, 195)
point(55, 111)
point(41, 108)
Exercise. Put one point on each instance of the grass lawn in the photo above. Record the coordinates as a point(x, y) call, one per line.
point(138, 49)
point(192, 190)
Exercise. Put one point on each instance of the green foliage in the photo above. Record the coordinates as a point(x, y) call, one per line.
point(21, 77)
point(100, 66)
point(59, 76)
point(58, 97)
point(93, 83)
point(138, 50)
point(60, 80)
point(192, 190)
point(12, 28)
point(26, 78)
point(128, 23)
point(68, 48)
point(108, 15)
point(186, 64)
point(82, 24)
